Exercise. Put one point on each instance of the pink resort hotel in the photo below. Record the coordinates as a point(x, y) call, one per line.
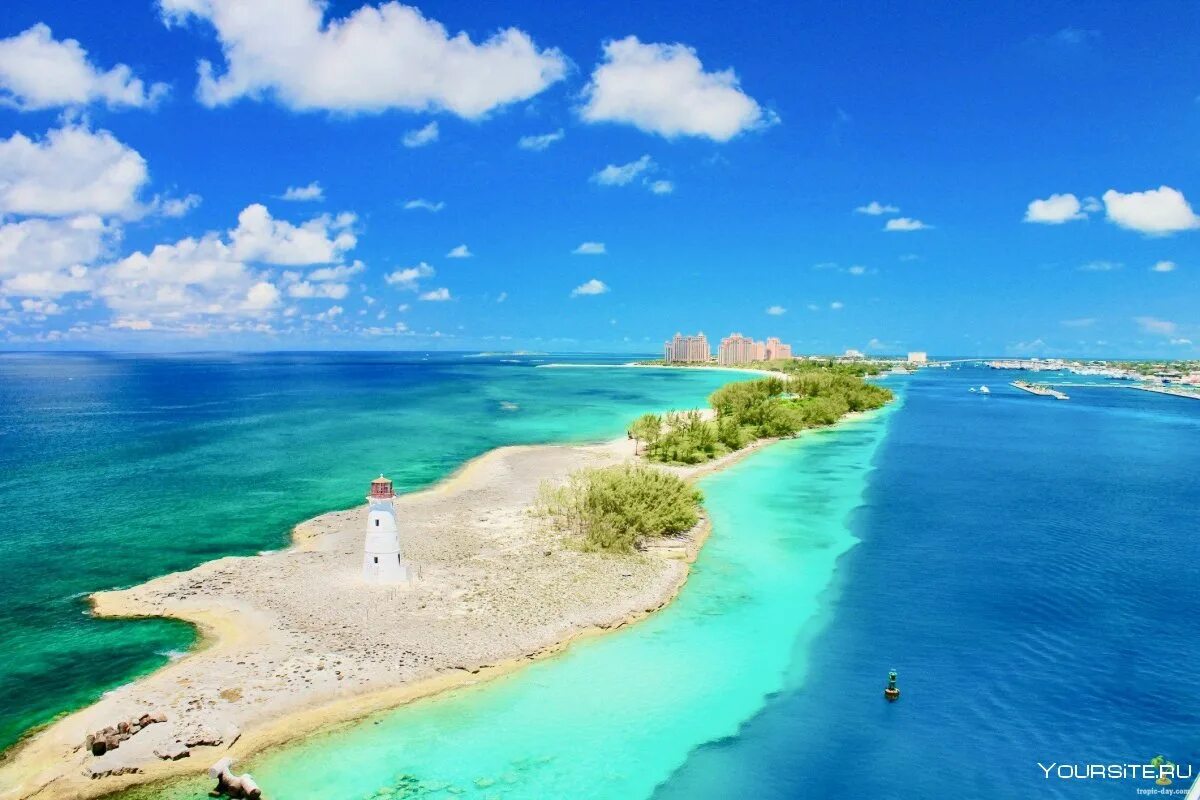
point(735, 349)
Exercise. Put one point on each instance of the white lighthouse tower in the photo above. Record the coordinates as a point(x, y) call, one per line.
point(382, 563)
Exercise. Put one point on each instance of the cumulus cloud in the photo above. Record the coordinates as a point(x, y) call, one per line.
point(663, 89)
point(421, 204)
point(304, 194)
point(376, 58)
point(1164, 266)
point(776, 311)
point(876, 208)
point(191, 278)
point(462, 251)
point(1158, 211)
point(38, 72)
point(856, 269)
point(261, 237)
point(540, 141)
point(590, 249)
point(409, 277)
point(177, 206)
point(71, 170)
point(436, 295)
point(420, 137)
point(51, 257)
point(660, 186)
point(623, 174)
point(837, 305)
point(1055, 210)
point(905, 224)
point(591, 287)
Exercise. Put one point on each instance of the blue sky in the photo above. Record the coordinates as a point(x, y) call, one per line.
point(1039, 165)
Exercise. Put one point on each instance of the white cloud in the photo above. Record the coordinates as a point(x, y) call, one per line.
point(1091, 205)
point(341, 272)
point(307, 289)
point(837, 305)
point(51, 257)
point(776, 311)
point(1155, 211)
point(876, 208)
point(70, 171)
point(1181, 342)
point(376, 58)
point(260, 237)
point(1160, 327)
point(593, 286)
point(421, 136)
point(424, 205)
point(191, 278)
point(178, 206)
point(663, 89)
point(1164, 266)
point(462, 251)
point(409, 277)
point(43, 308)
point(39, 72)
point(329, 314)
point(1101, 266)
point(661, 187)
point(857, 269)
point(905, 224)
point(540, 141)
point(436, 295)
point(304, 194)
point(590, 249)
point(500, 298)
point(1055, 210)
point(621, 175)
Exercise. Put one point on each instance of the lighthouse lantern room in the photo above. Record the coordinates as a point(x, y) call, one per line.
point(382, 562)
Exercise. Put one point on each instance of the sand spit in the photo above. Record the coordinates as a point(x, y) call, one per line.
point(295, 642)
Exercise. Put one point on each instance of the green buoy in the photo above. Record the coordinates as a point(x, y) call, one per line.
point(891, 692)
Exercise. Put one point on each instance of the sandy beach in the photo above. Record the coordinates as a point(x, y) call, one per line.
point(294, 641)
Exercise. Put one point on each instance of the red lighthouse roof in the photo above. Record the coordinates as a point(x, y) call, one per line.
point(382, 487)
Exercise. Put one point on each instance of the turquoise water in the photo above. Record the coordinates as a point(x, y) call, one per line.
point(115, 469)
point(615, 715)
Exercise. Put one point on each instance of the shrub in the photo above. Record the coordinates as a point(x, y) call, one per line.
point(617, 508)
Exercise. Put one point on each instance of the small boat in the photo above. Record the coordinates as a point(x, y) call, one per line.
point(984, 390)
point(971, 390)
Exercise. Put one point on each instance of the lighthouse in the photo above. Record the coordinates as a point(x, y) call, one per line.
point(382, 563)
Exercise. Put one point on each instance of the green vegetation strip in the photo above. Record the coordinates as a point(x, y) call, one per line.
point(813, 395)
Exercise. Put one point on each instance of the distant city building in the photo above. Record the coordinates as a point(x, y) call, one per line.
point(777, 350)
point(853, 354)
point(738, 349)
point(918, 357)
point(687, 349)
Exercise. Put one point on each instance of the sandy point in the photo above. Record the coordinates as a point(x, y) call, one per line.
point(293, 641)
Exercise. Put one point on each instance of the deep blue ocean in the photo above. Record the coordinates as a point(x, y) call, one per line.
point(1029, 566)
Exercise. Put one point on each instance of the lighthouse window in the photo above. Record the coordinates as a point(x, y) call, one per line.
point(376, 559)
point(376, 523)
